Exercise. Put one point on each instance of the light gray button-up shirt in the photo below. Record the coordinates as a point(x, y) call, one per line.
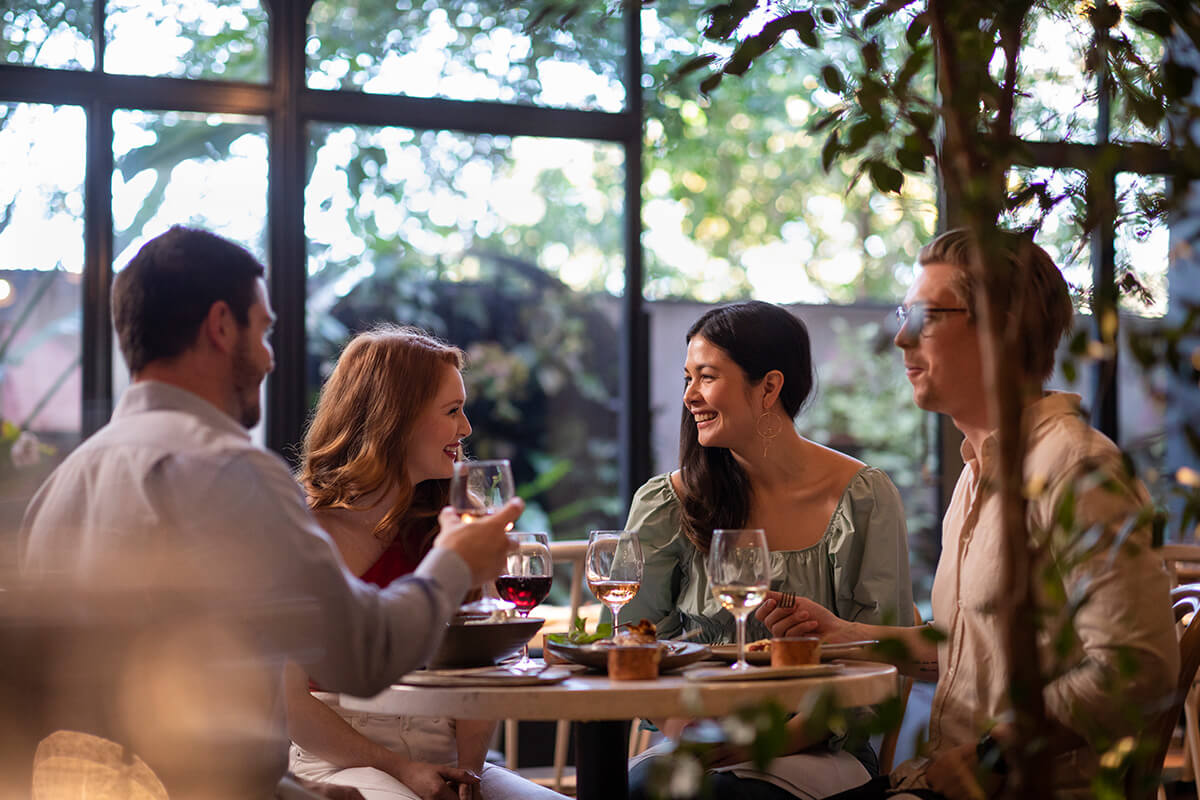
point(172, 498)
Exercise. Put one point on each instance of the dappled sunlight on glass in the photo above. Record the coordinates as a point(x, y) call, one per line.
point(736, 203)
point(1055, 200)
point(41, 266)
point(47, 33)
point(467, 50)
point(1055, 97)
point(1142, 243)
point(204, 170)
point(216, 39)
point(509, 247)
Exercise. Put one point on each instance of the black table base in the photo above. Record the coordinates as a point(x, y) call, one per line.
point(601, 754)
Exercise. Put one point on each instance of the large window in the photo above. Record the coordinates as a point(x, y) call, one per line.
point(543, 195)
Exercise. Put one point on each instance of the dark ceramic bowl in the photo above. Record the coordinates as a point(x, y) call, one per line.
point(484, 643)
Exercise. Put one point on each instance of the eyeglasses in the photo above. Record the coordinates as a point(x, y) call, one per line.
point(913, 318)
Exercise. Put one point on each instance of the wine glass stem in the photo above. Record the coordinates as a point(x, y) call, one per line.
point(741, 640)
point(615, 608)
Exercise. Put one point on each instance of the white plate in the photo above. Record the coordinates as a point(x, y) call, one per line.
point(761, 673)
point(486, 676)
point(846, 649)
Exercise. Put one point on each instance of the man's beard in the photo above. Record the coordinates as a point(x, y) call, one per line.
point(246, 382)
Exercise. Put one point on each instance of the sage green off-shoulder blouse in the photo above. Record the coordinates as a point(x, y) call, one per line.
point(858, 569)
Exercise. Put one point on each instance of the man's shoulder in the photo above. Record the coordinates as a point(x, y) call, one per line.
point(149, 439)
point(1063, 442)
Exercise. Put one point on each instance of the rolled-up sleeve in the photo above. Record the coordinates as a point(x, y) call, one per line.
point(1122, 623)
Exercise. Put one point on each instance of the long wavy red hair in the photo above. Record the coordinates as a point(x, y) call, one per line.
point(357, 440)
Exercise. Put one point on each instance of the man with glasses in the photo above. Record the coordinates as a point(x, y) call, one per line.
point(1118, 657)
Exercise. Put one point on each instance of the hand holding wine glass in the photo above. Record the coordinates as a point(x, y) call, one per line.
point(738, 574)
point(479, 489)
point(527, 578)
point(614, 568)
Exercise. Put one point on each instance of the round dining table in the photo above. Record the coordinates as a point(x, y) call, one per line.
point(604, 708)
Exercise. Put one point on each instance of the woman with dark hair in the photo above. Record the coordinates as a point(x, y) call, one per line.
point(376, 468)
point(834, 526)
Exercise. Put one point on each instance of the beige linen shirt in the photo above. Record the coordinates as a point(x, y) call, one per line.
point(1125, 610)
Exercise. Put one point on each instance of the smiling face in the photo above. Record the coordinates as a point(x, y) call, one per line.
point(439, 430)
point(718, 396)
point(943, 362)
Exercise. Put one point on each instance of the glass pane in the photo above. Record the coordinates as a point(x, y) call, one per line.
point(1142, 244)
point(217, 39)
point(48, 33)
point(1053, 200)
point(736, 201)
point(1055, 98)
point(41, 264)
point(203, 170)
point(1136, 45)
point(467, 50)
point(510, 248)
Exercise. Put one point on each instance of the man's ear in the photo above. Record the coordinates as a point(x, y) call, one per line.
point(771, 385)
point(219, 328)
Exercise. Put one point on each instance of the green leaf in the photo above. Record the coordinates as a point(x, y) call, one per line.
point(874, 17)
point(932, 634)
point(923, 122)
point(1154, 20)
point(886, 177)
point(710, 83)
point(832, 78)
point(871, 57)
point(699, 62)
point(913, 161)
point(830, 150)
point(916, 30)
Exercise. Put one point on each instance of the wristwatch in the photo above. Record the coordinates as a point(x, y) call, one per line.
point(990, 755)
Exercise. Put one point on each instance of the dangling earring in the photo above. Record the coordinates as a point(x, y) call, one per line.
point(767, 428)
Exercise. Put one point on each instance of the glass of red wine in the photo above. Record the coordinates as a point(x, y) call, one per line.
point(527, 577)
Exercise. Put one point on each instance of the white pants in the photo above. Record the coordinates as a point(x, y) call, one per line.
point(428, 739)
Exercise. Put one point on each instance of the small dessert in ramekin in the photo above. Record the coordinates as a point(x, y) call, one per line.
point(638, 662)
point(794, 651)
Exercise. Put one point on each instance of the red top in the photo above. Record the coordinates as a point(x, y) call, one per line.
point(392, 564)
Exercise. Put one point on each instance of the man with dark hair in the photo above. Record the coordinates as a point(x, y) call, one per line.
point(1106, 633)
point(171, 501)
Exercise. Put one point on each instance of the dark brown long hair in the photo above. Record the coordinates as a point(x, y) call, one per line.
point(357, 441)
point(758, 337)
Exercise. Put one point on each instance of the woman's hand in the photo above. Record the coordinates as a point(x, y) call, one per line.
point(434, 781)
point(805, 618)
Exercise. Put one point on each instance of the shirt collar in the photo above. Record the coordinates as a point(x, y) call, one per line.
point(151, 395)
point(1034, 415)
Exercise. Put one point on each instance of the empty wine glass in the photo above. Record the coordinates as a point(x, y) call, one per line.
point(614, 568)
point(527, 577)
point(738, 574)
point(477, 489)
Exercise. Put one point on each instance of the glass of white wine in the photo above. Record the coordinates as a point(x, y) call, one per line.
point(738, 575)
point(478, 489)
point(614, 568)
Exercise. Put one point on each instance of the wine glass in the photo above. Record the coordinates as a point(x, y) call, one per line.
point(477, 489)
point(526, 580)
point(614, 568)
point(738, 574)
